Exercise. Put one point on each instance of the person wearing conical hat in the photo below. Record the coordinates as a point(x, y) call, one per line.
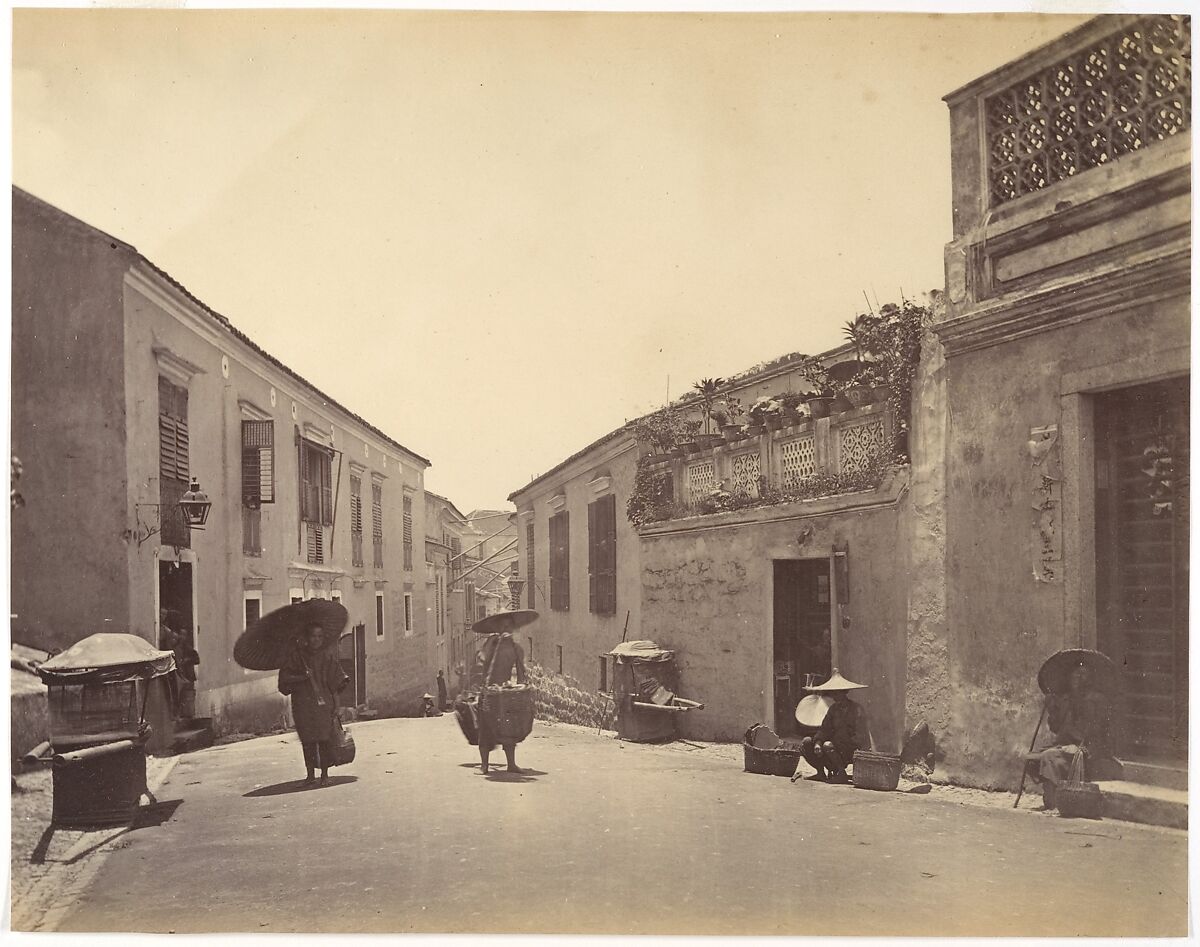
point(843, 731)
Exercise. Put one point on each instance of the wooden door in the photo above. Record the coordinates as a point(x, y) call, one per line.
point(802, 633)
point(1142, 521)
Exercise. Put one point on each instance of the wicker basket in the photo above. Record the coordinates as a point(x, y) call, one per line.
point(508, 711)
point(1079, 800)
point(781, 761)
point(876, 770)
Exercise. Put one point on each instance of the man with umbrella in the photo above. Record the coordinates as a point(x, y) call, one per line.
point(495, 665)
point(842, 731)
point(300, 640)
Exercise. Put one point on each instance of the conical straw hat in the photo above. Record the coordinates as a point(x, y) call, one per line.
point(835, 683)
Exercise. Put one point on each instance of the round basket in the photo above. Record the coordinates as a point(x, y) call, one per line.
point(876, 770)
point(508, 712)
point(1079, 800)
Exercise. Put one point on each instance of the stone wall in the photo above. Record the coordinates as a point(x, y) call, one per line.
point(559, 698)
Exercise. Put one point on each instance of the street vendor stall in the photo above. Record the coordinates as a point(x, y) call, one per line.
point(645, 681)
point(97, 691)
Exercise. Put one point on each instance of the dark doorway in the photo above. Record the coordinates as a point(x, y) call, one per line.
point(1142, 520)
point(802, 633)
point(352, 653)
point(175, 597)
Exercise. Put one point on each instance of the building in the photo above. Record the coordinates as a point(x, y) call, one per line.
point(450, 596)
point(757, 598)
point(1068, 371)
point(126, 388)
point(493, 555)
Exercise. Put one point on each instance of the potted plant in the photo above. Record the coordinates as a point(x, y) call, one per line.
point(708, 388)
point(657, 434)
point(731, 430)
point(768, 412)
point(822, 394)
point(791, 404)
point(687, 433)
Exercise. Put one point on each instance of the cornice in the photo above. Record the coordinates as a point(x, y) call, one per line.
point(1008, 318)
point(192, 317)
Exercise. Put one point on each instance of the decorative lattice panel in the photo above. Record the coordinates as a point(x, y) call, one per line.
point(860, 445)
point(799, 459)
point(1126, 92)
point(701, 480)
point(746, 470)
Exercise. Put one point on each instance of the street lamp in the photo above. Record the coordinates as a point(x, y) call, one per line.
point(195, 505)
point(515, 587)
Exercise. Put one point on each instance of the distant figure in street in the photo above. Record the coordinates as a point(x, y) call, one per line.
point(843, 731)
point(442, 698)
point(312, 676)
point(1081, 720)
point(502, 656)
point(427, 707)
point(186, 659)
point(167, 641)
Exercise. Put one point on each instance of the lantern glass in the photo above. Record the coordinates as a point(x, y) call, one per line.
point(195, 506)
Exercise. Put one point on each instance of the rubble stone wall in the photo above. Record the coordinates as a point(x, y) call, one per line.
point(559, 698)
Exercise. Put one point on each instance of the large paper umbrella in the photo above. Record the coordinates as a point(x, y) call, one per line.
point(811, 711)
point(1055, 675)
point(504, 622)
point(266, 644)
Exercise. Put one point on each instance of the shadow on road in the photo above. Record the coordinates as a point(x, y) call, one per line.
point(296, 785)
point(504, 776)
point(146, 817)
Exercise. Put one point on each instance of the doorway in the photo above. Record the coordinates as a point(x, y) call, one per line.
point(352, 655)
point(175, 598)
point(802, 629)
point(1142, 521)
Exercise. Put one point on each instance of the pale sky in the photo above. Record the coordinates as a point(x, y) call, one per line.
point(496, 236)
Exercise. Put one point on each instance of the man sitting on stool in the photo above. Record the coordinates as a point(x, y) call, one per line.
point(843, 731)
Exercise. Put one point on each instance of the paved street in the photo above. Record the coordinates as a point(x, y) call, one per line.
point(607, 837)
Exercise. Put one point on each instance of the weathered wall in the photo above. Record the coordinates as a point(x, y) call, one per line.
point(707, 594)
point(927, 695)
point(559, 698)
point(1003, 621)
point(68, 564)
point(583, 635)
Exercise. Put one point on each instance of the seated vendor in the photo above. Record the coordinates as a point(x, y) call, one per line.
point(1080, 719)
point(831, 750)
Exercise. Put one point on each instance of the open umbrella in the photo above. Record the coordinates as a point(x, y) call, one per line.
point(1055, 675)
point(504, 622)
point(266, 644)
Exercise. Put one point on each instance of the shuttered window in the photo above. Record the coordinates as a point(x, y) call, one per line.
point(258, 463)
point(377, 523)
point(530, 561)
point(408, 534)
point(356, 521)
point(560, 562)
point(602, 555)
point(173, 462)
point(314, 541)
point(316, 484)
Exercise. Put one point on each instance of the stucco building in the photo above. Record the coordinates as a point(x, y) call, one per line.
point(125, 387)
point(1067, 341)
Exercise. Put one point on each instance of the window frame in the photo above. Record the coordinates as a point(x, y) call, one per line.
point(559, 529)
point(408, 615)
point(380, 616)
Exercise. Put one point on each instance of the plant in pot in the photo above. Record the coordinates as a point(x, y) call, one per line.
point(657, 434)
point(792, 406)
point(686, 435)
point(767, 412)
point(822, 394)
point(731, 430)
point(708, 388)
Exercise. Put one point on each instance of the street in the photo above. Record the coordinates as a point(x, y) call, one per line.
point(607, 837)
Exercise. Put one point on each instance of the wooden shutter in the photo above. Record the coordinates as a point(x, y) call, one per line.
point(593, 558)
point(602, 543)
point(307, 513)
point(560, 561)
point(325, 464)
point(258, 462)
point(173, 441)
point(530, 562)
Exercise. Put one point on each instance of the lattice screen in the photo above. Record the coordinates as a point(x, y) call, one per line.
point(746, 471)
point(1126, 92)
point(860, 445)
point(799, 459)
point(701, 480)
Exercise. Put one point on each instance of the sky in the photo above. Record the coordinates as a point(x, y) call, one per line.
point(498, 236)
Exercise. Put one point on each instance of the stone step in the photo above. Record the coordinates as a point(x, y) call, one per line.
point(1139, 802)
point(1156, 774)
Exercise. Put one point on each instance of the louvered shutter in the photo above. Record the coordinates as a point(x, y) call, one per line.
point(593, 558)
point(182, 465)
point(258, 462)
point(326, 488)
point(609, 532)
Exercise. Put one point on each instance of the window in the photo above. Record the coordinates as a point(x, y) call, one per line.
point(295, 595)
point(316, 498)
point(603, 674)
point(258, 463)
point(529, 563)
point(408, 534)
point(408, 615)
point(602, 555)
point(251, 608)
point(356, 523)
point(336, 596)
point(377, 522)
point(455, 557)
point(560, 665)
point(379, 630)
point(173, 461)
point(439, 599)
point(469, 604)
point(560, 562)
point(251, 532)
